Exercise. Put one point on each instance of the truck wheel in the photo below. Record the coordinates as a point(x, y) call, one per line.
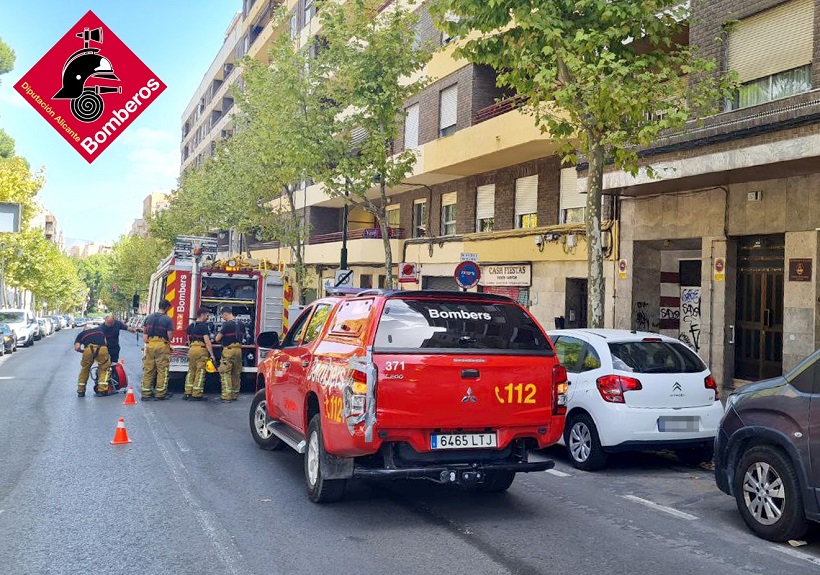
point(583, 445)
point(320, 490)
point(768, 496)
point(259, 420)
point(496, 482)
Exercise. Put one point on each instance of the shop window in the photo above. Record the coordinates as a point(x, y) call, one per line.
point(448, 110)
point(526, 202)
point(419, 218)
point(485, 208)
point(448, 214)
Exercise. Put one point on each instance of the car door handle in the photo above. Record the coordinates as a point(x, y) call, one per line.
point(469, 374)
point(286, 364)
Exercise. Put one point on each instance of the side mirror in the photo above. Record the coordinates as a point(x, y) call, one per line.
point(268, 339)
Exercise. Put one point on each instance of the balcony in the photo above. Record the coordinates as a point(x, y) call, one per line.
point(498, 109)
point(363, 234)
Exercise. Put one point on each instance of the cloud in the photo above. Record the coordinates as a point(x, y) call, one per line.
point(10, 97)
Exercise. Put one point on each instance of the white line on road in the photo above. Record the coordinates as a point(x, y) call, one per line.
point(797, 554)
point(557, 473)
point(659, 507)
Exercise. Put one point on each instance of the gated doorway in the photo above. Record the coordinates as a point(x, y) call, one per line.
point(575, 312)
point(759, 323)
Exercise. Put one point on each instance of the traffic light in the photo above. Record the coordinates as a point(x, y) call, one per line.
point(114, 288)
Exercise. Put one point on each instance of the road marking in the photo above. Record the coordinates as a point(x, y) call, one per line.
point(557, 473)
point(6, 376)
point(797, 554)
point(659, 507)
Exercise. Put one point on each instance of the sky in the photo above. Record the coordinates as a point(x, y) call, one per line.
point(177, 39)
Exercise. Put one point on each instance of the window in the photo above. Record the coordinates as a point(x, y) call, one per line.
point(448, 214)
point(419, 218)
point(772, 53)
point(445, 37)
point(462, 326)
point(411, 127)
point(806, 376)
point(576, 355)
point(293, 336)
point(294, 26)
point(310, 11)
point(485, 208)
point(655, 357)
point(317, 322)
point(393, 217)
point(573, 204)
point(526, 202)
point(448, 110)
point(366, 281)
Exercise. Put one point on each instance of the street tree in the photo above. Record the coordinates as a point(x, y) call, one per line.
point(6, 65)
point(132, 261)
point(605, 77)
point(95, 272)
point(375, 67)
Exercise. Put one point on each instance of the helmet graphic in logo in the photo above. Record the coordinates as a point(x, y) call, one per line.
point(86, 102)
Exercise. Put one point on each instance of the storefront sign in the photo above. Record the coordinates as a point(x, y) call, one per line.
point(506, 275)
point(622, 269)
point(408, 273)
point(799, 270)
point(720, 269)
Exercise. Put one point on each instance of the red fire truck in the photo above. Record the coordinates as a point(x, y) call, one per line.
point(257, 293)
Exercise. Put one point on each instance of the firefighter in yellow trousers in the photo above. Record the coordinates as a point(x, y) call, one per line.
point(230, 365)
point(91, 343)
point(199, 352)
point(157, 332)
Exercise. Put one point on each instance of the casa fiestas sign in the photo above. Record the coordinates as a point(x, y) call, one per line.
point(90, 86)
point(506, 275)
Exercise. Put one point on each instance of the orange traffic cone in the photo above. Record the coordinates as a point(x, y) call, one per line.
point(121, 434)
point(129, 397)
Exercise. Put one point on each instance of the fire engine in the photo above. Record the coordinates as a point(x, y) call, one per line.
point(257, 292)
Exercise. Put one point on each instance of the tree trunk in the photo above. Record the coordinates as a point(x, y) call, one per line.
point(388, 251)
point(297, 249)
point(595, 254)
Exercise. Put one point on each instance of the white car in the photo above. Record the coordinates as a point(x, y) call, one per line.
point(22, 323)
point(635, 391)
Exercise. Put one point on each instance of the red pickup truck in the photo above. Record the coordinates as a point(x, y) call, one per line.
point(448, 386)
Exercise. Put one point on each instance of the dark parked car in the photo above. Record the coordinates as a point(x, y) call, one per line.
point(767, 452)
point(80, 322)
point(9, 339)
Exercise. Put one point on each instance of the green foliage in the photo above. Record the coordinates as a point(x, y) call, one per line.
point(375, 69)
point(130, 266)
point(95, 272)
point(6, 145)
point(6, 58)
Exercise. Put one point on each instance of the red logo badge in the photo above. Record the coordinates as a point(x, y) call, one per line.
point(90, 86)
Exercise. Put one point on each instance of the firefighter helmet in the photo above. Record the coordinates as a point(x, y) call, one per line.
point(209, 366)
point(79, 68)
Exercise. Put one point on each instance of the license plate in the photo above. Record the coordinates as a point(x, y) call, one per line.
point(678, 423)
point(463, 440)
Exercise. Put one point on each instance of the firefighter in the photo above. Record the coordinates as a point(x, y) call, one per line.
point(91, 343)
point(111, 328)
point(230, 366)
point(156, 334)
point(200, 351)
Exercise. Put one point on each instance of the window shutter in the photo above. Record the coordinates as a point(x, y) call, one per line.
point(411, 127)
point(448, 107)
point(570, 198)
point(526, 196)
point(485, 202)
point(773, 41)
point(448, 199)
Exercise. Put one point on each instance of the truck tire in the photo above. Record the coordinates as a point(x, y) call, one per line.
point(496, 482)
point(259, 420)
point(768, 495)
point(583, 445)
point(320, 490)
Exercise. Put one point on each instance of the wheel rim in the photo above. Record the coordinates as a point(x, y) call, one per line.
point(580, 442)
point(261, 421)
point(763, 493)
point(313, 458)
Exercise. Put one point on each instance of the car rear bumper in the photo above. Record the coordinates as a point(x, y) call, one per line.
point(451, 473)
point(622, 427)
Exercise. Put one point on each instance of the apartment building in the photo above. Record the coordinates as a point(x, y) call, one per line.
point(722, 247)
point(486, 183)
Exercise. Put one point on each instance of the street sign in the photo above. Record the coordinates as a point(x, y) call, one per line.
point(343, 278)
point(408, 273)
point(467, 274)
point(469, 257)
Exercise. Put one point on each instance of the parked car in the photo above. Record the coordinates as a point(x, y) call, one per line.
point(9, 338)
point(767, 452)
point(22, 323)
point(46, 327)
point(635, 391)
point(55, 320)
point(80, 322)
point(447, 386)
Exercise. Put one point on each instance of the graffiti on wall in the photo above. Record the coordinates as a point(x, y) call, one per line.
point(690, 317)
point(642, 316)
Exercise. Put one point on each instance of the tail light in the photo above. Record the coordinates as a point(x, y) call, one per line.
point(710, 383)
point(613, 387)
point(560, 387)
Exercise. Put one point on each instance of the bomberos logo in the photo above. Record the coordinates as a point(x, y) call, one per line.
point(90, 86)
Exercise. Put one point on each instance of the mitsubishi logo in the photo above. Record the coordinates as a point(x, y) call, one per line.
point(469, 398)
point(677, 387)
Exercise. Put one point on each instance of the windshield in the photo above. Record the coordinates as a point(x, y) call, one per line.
point(11, 317)
point(469, 327)
point(655, 357)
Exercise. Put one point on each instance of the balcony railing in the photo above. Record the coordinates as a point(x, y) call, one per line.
point(499, 108)
point(364, 234)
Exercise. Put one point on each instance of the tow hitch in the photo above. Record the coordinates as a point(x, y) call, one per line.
point(455, 476)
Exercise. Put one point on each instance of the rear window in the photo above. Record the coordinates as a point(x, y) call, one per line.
point(460, 327)
point(11, 316)
point(655, 357)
